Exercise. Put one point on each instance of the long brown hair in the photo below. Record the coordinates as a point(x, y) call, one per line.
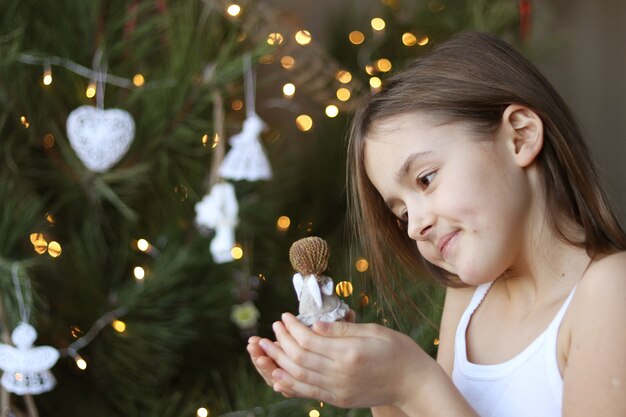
point(472, 78)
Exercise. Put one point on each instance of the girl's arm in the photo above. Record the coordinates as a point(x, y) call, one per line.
point(594, 379)
point(361, 365)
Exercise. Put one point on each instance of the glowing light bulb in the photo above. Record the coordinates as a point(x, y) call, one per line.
point(369, 69)
point(332, 110)
point(81, 363)
point(283, 223)
point(47, 76)
point(378, 24)
point(24, 121)
point(119, 326)
point(275, 38)
point(343, 76)
point(143, 245)
point(303, 37)
point(356, 37)
point(139, 273)
point(343, 94)
point(409, 39)
point(362, 265)
point(344, 289)
point(304, 122)
point(202, 412)
point(383, 65)
point(54, 249)
point(289, 90)
point(237, 105)
point(236, 252)
point(423, 41)
point(138, 80)
point(233, 9)
point(375, 82)
point(91, 90)
point(287, 62)
point(314, 413)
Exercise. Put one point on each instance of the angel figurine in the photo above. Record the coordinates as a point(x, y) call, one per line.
point(309, 257)
point(26, 368)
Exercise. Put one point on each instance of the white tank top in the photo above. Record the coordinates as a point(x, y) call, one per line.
point(529, 385)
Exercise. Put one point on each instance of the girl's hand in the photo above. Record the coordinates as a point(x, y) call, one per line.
point(264, 364)
point(346, 364)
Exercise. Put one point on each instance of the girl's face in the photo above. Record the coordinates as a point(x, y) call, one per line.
point(464, 200)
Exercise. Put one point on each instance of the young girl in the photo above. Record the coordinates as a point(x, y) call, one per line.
point(469, 163)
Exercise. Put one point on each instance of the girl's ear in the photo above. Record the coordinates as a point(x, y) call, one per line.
point(524, 131)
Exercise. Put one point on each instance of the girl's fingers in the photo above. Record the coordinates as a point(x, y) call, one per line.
point(287, 383)
point(299, 353)
point(294, 368)
point(309, 339)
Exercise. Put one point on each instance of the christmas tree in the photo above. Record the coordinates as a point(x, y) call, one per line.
point(125, 244)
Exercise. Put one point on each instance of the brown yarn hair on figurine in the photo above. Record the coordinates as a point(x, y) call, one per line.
point(309, 256)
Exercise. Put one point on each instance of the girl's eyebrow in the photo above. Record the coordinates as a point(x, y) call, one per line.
point(406, 166)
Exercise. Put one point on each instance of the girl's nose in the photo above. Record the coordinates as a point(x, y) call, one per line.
point(420, 224)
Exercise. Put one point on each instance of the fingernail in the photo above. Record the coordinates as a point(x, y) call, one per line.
point(264, 344)
point(276, 325)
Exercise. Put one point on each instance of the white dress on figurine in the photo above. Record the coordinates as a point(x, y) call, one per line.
point(317, 300)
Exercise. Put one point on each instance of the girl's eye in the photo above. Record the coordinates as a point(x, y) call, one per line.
point(426, 180)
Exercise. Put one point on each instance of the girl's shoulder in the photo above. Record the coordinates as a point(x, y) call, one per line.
point(457, 300)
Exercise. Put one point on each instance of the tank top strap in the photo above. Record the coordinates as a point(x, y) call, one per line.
point(477, 298)
point(556, 322)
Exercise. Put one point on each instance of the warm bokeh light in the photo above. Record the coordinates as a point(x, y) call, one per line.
point(375, 82)
point(378, 23)
point(119, 326)
point(364, 300)
point(369, 69)
point(409, 39)
point(143, 245)
point(287, 62)
point(202, 412)
point(34, 237)
point(283, 223)
point(275, 38)
point(343, 94)
point(54, 249)
point(40, 246)
point(289, 90)
point(304, 122)
point(233, 9)
point(236, 252)
point(344, 289)
point(361, 265)
point(139, 272)
point(314, 413)
point(356, 37)
point(138, 80)
point(47, 77)
point(332, 110)
point(81, 363)
point(383, 65)
point(303, 37)
point(237, 105)
point(343, 76)
point(48, 141)
point(90, 92)
point(423, 41)
point(24, 121)
point(436, 342)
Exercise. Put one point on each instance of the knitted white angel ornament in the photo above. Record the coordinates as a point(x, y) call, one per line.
point(27, 368)
point(318, 302)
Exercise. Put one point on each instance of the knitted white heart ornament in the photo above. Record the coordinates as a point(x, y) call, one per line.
point(99, 137)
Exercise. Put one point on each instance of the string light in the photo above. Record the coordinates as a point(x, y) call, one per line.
point(48, 141)
point(375, 82)
point(119, 326)
point(378, 24)
point(362, 265)
point(138, 80)
point(76, 332)
point(275, 38)
point(283, 223)
point(139, 273)
point(383, 65)
point(356, 37)
point(205, 140)
point(364, 300)
point(54, 249)
point(344, 289)
point(287, 62)
point(262, 277)
point(423, 41)
point(304, 122)
point(436, 342)
point(314, 413)
point(343, 76)
point(409, 39)
point(369, 69)
point(343, 94)
point(91, 89)
point(39, 243)
point(216, 141)
point(303, 37)
point(332, 110)
point(143, 245)
point(47, 74)
point(80, 362)
point(202, 412)
point(233, 10)
point(237, 105)
point(50, 218)
point(24, 121)
point(289, 90)
point(236, 252)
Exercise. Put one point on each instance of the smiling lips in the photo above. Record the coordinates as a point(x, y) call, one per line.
point(445, 241)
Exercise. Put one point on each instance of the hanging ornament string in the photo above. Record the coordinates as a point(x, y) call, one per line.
point(249, 84)
point(100, 69)
point(24, 311)
point(219, 145)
